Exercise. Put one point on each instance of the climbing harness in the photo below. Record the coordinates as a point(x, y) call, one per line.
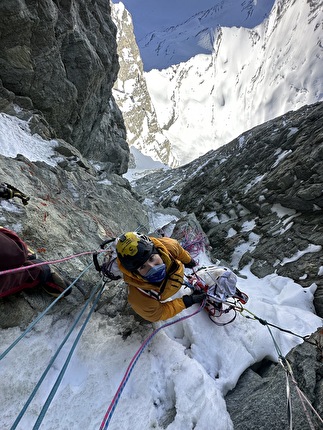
point(229, 308)
point(107, 417)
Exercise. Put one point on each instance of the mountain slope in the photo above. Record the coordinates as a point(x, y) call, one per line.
point(73, 208)
point(131, 94)
point(178, 43)
point(252, 76)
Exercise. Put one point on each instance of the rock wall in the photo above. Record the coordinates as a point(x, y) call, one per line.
point(72, 209)
point(58, 60)
point(259, 399)
point(259, 200)
point(132, 96)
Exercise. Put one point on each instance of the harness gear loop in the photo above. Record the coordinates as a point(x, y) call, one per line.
point(214, 306)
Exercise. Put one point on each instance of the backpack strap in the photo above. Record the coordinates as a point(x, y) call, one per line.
point(151, 293)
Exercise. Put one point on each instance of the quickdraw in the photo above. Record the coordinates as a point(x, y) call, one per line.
point(106, 269)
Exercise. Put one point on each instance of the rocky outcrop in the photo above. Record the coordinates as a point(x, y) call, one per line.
point(132, 96)
point(211, 99)
point(262, 193)
point(72, 209)
point(259, 399)
point(58, 64)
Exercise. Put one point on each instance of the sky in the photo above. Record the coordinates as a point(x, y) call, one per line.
point(214, 357)
point(152, 15)
point(173, 31)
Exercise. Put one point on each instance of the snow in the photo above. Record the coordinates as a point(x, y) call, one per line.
point(143, 164)
point(179, 381)
point(309, 249)
point(189, 26)
point(281, 157)
point(252, 69)
point(16, 138)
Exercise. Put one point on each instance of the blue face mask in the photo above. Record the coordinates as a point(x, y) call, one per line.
point(156, 273)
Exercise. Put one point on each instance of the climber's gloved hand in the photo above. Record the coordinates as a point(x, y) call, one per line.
point(196, 297)
point(191, 264)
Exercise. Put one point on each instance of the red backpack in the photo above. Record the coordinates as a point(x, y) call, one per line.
point(14, 253)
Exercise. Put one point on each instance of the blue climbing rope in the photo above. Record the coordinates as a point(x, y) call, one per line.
point(32, 395)
point(30, 327)
point(67, 361)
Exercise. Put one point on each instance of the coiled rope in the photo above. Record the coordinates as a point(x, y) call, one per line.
point(107, 418)
point(193, 245)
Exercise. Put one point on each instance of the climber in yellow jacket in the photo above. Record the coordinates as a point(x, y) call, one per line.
point(153, 269)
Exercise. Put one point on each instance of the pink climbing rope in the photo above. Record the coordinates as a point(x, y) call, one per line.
point(61, 260)
point(113, 404)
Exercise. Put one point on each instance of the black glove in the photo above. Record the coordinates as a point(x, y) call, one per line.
point(191, 264)
point(196, 297)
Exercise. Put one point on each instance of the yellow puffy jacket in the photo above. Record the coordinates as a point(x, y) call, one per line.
point(148, 304)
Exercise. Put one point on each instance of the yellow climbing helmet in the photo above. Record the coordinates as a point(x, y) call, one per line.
point(134, 249)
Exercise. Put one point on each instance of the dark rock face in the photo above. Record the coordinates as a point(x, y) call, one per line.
point(265, 387)
point(60, 58)
point(262, 192)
